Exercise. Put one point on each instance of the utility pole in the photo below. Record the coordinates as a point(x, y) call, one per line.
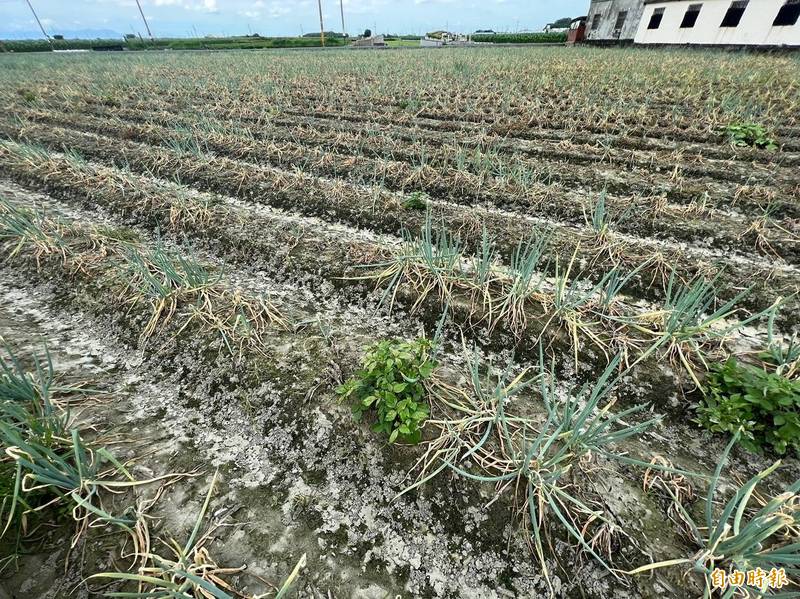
point(321, 24)
point(35, 16)
point(141, 12)
point(341, 8)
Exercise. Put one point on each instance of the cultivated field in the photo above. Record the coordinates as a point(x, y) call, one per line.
point(468, 323)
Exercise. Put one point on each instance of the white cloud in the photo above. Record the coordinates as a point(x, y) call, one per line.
point(197, 5)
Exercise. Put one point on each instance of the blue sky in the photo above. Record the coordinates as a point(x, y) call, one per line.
point(278, 17)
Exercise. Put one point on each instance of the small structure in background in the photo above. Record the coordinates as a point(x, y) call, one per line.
point(737, 23)
point(440, 35)
point(436, 39)
point(613, 21)
point(427, 42)
point(577, 30)
point(559, 26)
point(373, 41)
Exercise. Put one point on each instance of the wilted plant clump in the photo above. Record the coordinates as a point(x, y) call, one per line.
point(50, 465)
point(484, 435)
point(176, 288)
point(752, 532)
point(28, 95)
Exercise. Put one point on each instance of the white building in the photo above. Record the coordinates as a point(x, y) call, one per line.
point(720, 23)
point(613, 21)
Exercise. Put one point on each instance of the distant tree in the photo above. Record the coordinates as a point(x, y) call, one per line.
point(368, 33)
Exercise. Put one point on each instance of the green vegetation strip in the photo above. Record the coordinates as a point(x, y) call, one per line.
point(481, 433)
point(253, 42)
point(521, 38)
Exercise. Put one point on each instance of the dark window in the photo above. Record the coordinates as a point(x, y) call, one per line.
point(788, 14)
point(655, 19)
point(595, 21)
point(734, 14)
point(690, 18)
point(621, 16)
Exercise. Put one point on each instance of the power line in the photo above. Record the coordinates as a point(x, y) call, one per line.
point(147, 26)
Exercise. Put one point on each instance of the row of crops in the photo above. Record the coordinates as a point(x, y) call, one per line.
point(418, 312)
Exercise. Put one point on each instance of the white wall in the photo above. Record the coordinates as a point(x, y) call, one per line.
point(755, 27)
point(608, 11)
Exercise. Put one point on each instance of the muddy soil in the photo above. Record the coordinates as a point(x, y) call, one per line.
point(297, 475)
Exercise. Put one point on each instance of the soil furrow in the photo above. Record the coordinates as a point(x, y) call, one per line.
point(385, 213)
point(477, 154)
point(659, 221)
point(239, 237)
point(275, 415)
point(632, 179)
point(658, 133)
